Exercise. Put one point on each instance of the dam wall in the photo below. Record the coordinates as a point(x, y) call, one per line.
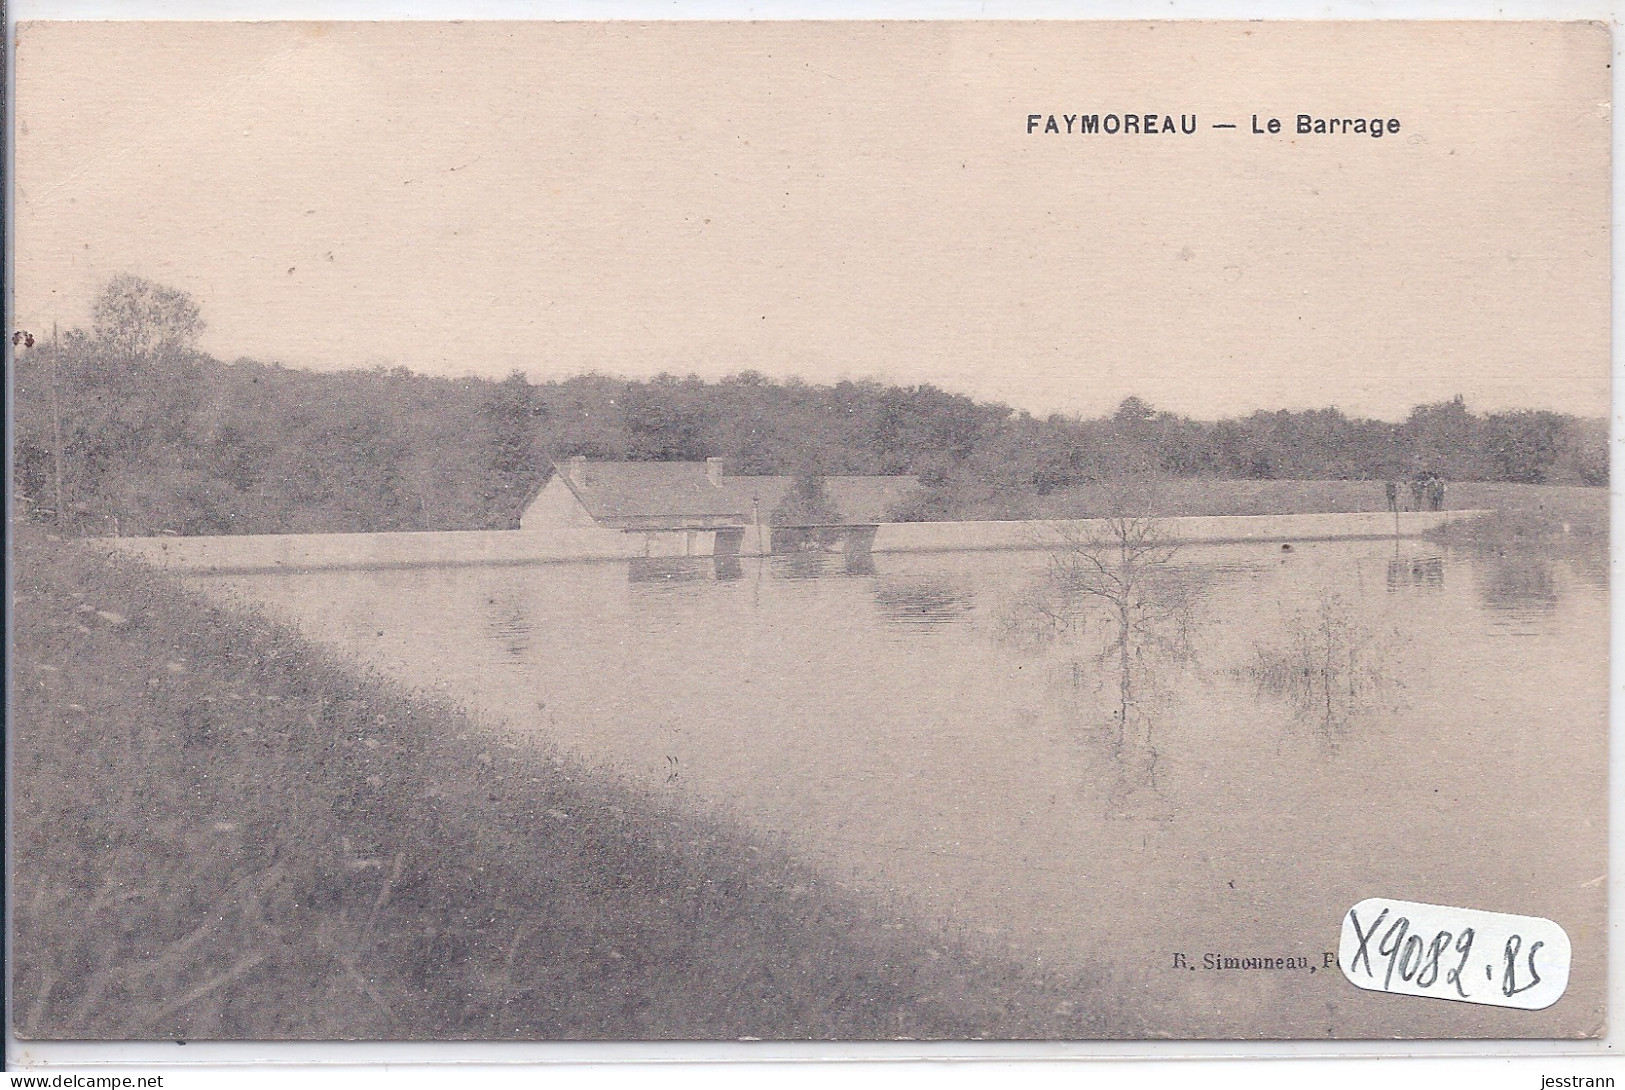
point(919, 537)
point(248, 553)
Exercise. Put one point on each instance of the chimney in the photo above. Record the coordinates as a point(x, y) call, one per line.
point(578, 470)
point(713, 471)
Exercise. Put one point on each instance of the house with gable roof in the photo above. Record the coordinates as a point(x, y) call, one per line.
point(689, 496)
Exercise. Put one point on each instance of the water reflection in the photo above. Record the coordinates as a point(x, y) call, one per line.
point(926, 602)
point(984, 765)
point(1332, 664)
point(1406, 572)
point(805, 565)
point(684, 569)
point(1518, 585)
point(1589, 564)
point(1104, 637)
point(859, 563)
point(1120, 611)
point(815, 564)
point(670, 569)
point(509, 624)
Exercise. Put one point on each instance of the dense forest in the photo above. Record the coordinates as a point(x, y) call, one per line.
point(128, 428)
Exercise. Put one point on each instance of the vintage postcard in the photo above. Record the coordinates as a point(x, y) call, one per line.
point(832, 531)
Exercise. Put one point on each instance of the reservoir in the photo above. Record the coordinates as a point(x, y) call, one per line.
point(1271, 735)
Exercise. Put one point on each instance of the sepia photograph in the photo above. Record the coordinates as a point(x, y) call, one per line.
point(886, 531)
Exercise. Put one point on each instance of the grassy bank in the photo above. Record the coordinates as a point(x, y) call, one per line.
point(1530, 513)
point(220, 831)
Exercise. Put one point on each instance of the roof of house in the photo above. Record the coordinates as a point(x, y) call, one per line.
point(642, 490)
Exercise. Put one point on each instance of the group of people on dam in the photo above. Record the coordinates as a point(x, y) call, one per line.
point(1426, 493)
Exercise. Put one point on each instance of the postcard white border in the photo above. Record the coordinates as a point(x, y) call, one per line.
point(674, 1063)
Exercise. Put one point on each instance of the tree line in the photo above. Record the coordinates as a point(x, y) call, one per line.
point(128, 428)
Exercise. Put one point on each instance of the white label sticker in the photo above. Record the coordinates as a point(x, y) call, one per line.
point(1463, 954)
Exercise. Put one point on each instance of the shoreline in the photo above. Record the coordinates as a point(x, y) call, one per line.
point(174, 757)
point(270, 553)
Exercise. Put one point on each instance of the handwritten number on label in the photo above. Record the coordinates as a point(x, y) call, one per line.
point(1411, 960)
point(1364, 938)
point(1406, 954)
point(1396, 932)
point(1509, 980)
point(1436, 951)
point(1464, 946)
point(1430, 968)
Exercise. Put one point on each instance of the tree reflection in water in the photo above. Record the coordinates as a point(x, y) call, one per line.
point(1517, 583)
point(1114, 596)
point(1330, 664)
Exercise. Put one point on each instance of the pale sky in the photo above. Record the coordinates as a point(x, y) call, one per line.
point(846, 200)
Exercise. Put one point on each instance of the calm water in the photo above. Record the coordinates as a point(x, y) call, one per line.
point(926, 729)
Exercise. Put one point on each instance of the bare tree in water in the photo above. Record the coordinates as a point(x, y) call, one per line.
point(1332, 664)
point(1114, 583)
